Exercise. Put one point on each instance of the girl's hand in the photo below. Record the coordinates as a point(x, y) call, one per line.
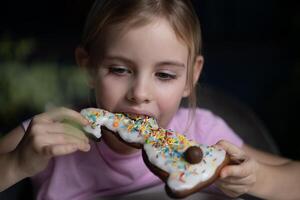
point(47, 136)
point(240, 177)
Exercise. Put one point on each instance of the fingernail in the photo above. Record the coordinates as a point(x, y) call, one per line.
point(86, 122)
point(223, 174)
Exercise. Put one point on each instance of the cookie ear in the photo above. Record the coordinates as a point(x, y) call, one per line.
point(198, 64)
point(83, 60)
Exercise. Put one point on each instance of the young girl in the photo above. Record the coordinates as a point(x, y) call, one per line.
point(143, 57)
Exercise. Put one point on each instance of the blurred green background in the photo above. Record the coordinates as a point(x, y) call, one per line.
point(31, 87)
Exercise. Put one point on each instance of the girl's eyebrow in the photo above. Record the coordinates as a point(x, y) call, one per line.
point(160, 64)
point(171, 63)
point(118, 58)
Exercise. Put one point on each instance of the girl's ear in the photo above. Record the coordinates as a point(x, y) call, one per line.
point(197, 71)
point(83, 61)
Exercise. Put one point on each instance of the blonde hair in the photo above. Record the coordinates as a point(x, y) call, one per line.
point(133, 13)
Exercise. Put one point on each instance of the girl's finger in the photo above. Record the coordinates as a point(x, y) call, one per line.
point(60, 114)
point(233, 151)
point(59, 150)
point(57, 138)
point(67, 129)
point(44, 133)
point(233, 190)
point(237, 181)
point(238, 171)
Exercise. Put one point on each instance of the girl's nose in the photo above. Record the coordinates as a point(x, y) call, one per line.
point(140, 91)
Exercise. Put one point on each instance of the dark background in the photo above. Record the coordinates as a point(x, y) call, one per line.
point(251, 50)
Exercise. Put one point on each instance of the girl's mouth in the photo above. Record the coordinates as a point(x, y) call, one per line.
point(136, 116)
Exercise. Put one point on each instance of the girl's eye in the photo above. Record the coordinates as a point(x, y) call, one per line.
point(119, 70)
point(165, 76)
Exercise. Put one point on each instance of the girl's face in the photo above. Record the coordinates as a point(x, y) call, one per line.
point(143, 71)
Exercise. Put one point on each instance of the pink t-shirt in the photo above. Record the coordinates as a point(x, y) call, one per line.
point(102, 172)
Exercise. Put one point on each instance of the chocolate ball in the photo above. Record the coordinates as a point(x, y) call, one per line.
point(193, 154)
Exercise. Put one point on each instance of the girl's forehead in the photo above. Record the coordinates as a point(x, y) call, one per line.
point(156, 38)
point(159, 29)
point(153, 24)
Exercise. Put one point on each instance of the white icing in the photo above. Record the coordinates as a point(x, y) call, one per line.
point(182, 175)
point(107, 120)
